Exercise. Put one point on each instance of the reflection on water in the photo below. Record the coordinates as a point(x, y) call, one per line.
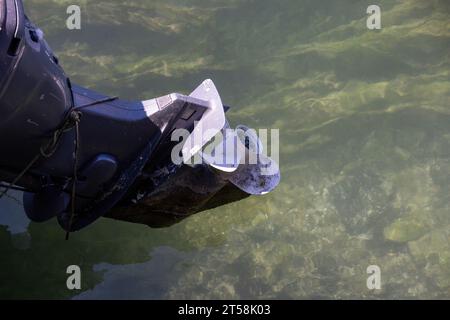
point(148, 280)
point(16, 219)
point(365, 151)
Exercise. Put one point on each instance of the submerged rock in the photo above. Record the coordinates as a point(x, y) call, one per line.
point(432, 253)
point(405, 230)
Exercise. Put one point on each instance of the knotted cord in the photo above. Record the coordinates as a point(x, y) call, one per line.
point(71, 120)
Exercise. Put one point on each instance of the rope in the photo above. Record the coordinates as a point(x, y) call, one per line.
point(13, 187)
point(76, 115)
point(71, 120)
point(20, 175)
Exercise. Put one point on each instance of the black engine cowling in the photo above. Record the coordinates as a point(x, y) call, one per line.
point(105, 151)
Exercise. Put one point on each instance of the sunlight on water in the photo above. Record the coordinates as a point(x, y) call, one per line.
point(364, 121)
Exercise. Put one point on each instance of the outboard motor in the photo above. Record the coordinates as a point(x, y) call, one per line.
point(79, 155)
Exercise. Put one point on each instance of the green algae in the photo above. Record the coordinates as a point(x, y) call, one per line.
point(405, 230)
point(364, 125)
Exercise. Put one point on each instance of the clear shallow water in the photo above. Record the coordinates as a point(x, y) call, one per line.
point(365, 151)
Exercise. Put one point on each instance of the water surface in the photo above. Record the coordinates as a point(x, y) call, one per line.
point(364, 118)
